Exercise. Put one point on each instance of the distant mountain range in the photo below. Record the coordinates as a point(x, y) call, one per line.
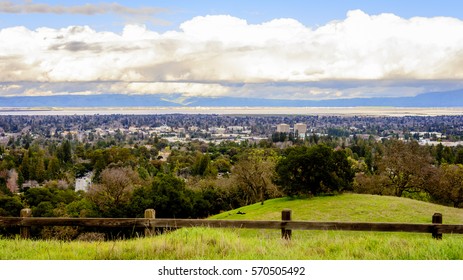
point(434, 99)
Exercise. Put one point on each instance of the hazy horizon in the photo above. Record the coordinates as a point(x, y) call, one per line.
point(326, 111)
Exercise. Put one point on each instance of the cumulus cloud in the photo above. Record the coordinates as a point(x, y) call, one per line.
point(223, 55)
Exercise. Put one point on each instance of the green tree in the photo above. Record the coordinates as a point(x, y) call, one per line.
point(81, 208)
point(202, 166)
point(53, 168)
point(10, 206)
point(39, 173)
point(459, 156)
point(47, 200)
point(222, 164)
point(439, 153)
point(314, 170)
point(64, 152)
point(25, 166)
point(167, 195)
point(34, 196)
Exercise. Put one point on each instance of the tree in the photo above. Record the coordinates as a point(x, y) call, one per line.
point(64, 153)
point(38, 170)
point(25, 166)
point(10, 206)
point(314, 170)
point(449, 187)
point(53, 168)
point(167, 195)
point(81, 208)
point(202, 165)
point(371, 184)
point(34, 196)
point(12, 182)
point(254, 174)
point(47, 201)
point(406, 165)
point(114, 190)
point(222, 164)
point(459, 156)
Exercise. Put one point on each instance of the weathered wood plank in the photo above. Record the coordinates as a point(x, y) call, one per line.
point(177, 223)
point(10, 221)
point(286, 217)
point(300, 225)
point(449, 228)
point(150, 214)
point(174, 223)
point(24, 231)
point(83, 222)
point(437, 219)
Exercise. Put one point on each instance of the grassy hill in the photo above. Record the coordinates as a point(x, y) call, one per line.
point(207, 243)
point(346, 208)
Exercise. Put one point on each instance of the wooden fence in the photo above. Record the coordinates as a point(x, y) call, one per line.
point(286, 225)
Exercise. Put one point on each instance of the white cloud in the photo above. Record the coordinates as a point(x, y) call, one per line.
point(209, 54)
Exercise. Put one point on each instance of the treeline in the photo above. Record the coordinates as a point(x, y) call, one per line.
point(190, 180)
point(197, 179)
point(430, 173)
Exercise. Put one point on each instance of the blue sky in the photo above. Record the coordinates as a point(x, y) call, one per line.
point(174, 12)
point(271, 49)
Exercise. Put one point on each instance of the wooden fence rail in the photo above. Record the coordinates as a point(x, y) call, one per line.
point(150, 223)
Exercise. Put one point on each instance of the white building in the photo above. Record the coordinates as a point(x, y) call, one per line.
point(217, 130)
point(84, 183)
point(163, 129)
point(301, 128)
point(235, 129)
point(284, 128)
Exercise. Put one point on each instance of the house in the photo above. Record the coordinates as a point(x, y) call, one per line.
point(84, 183)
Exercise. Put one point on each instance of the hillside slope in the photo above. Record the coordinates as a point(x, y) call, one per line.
point(249, 244)
point(348, 207)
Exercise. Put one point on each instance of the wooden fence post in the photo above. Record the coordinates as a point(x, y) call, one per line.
point(437, 219)
point(150, 214)
point(24, 231)
point(285, 216)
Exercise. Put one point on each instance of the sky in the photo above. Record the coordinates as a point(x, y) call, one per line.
point(290, 49)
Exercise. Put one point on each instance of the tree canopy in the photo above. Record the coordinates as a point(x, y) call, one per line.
point(314, 170)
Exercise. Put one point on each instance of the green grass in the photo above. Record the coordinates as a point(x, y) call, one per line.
point(347, 208)
point(244, 244)
point(213, 244)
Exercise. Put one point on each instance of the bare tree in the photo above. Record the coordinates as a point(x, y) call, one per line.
point(114, 189)
point(12, 182)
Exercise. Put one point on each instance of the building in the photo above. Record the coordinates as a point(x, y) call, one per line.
point(217, 130)
point(283, 128)
point(235, 129)
point(300, 128)
point(84, 183)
